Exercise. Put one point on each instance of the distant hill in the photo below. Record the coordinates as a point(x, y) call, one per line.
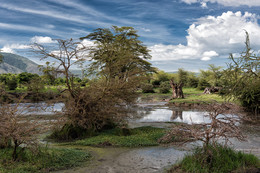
point(13, 63)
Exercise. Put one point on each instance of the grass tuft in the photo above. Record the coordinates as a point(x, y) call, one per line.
point(217, 159)
point(142, 136)
point(46, 160)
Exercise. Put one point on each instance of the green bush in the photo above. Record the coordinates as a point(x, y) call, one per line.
point(164, 87)
point(35, 85)
point(217, 159)
point(193, 82)
point(147, 88)
point(251, 97)
point(12, 83)
point(70, 132)
point(156, 83)
point(203, 84)
point(26, 77)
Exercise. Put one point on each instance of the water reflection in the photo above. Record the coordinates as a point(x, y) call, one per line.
point(136, 113)
point(162, 114)
point(40, 108)
point(176, 114)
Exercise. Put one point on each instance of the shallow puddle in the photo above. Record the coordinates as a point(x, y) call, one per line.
point(139, 160)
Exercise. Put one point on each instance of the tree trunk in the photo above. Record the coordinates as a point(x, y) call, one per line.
point(176, 90)
point(14, 155)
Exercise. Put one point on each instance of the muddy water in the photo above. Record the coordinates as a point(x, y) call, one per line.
point(252, 142)
point(123, 160)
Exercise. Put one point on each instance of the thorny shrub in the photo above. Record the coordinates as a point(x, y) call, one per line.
point(16, 128)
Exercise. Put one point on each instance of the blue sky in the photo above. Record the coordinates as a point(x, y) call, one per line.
point(187, 34)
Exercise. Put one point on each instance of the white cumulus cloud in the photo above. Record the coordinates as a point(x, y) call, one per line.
point(208, 55)
point(41, 39)
point(10, 48)
point(226, 2)
point(212, 36)
point(205, 58)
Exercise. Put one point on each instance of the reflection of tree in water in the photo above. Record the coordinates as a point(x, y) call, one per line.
point(135, 111)
point(176, 114)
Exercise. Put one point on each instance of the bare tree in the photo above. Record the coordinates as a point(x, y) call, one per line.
point(67, 53)
point(16, 128)
point(223, 125)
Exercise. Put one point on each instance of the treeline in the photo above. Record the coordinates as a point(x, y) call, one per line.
point(213, 77)
point(27, 80)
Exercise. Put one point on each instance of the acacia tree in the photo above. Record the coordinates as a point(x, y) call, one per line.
point(118, 61)
point(242, 78)
point(118, 53)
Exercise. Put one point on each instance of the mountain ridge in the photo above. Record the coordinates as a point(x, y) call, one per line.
point(13, 63)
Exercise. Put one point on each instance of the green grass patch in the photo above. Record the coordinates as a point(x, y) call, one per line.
point(221, 159)
point(142, 136)
point(193, 95)
point(47, 88)
point(44, 161)
point(204, 98)
point(191, 91)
